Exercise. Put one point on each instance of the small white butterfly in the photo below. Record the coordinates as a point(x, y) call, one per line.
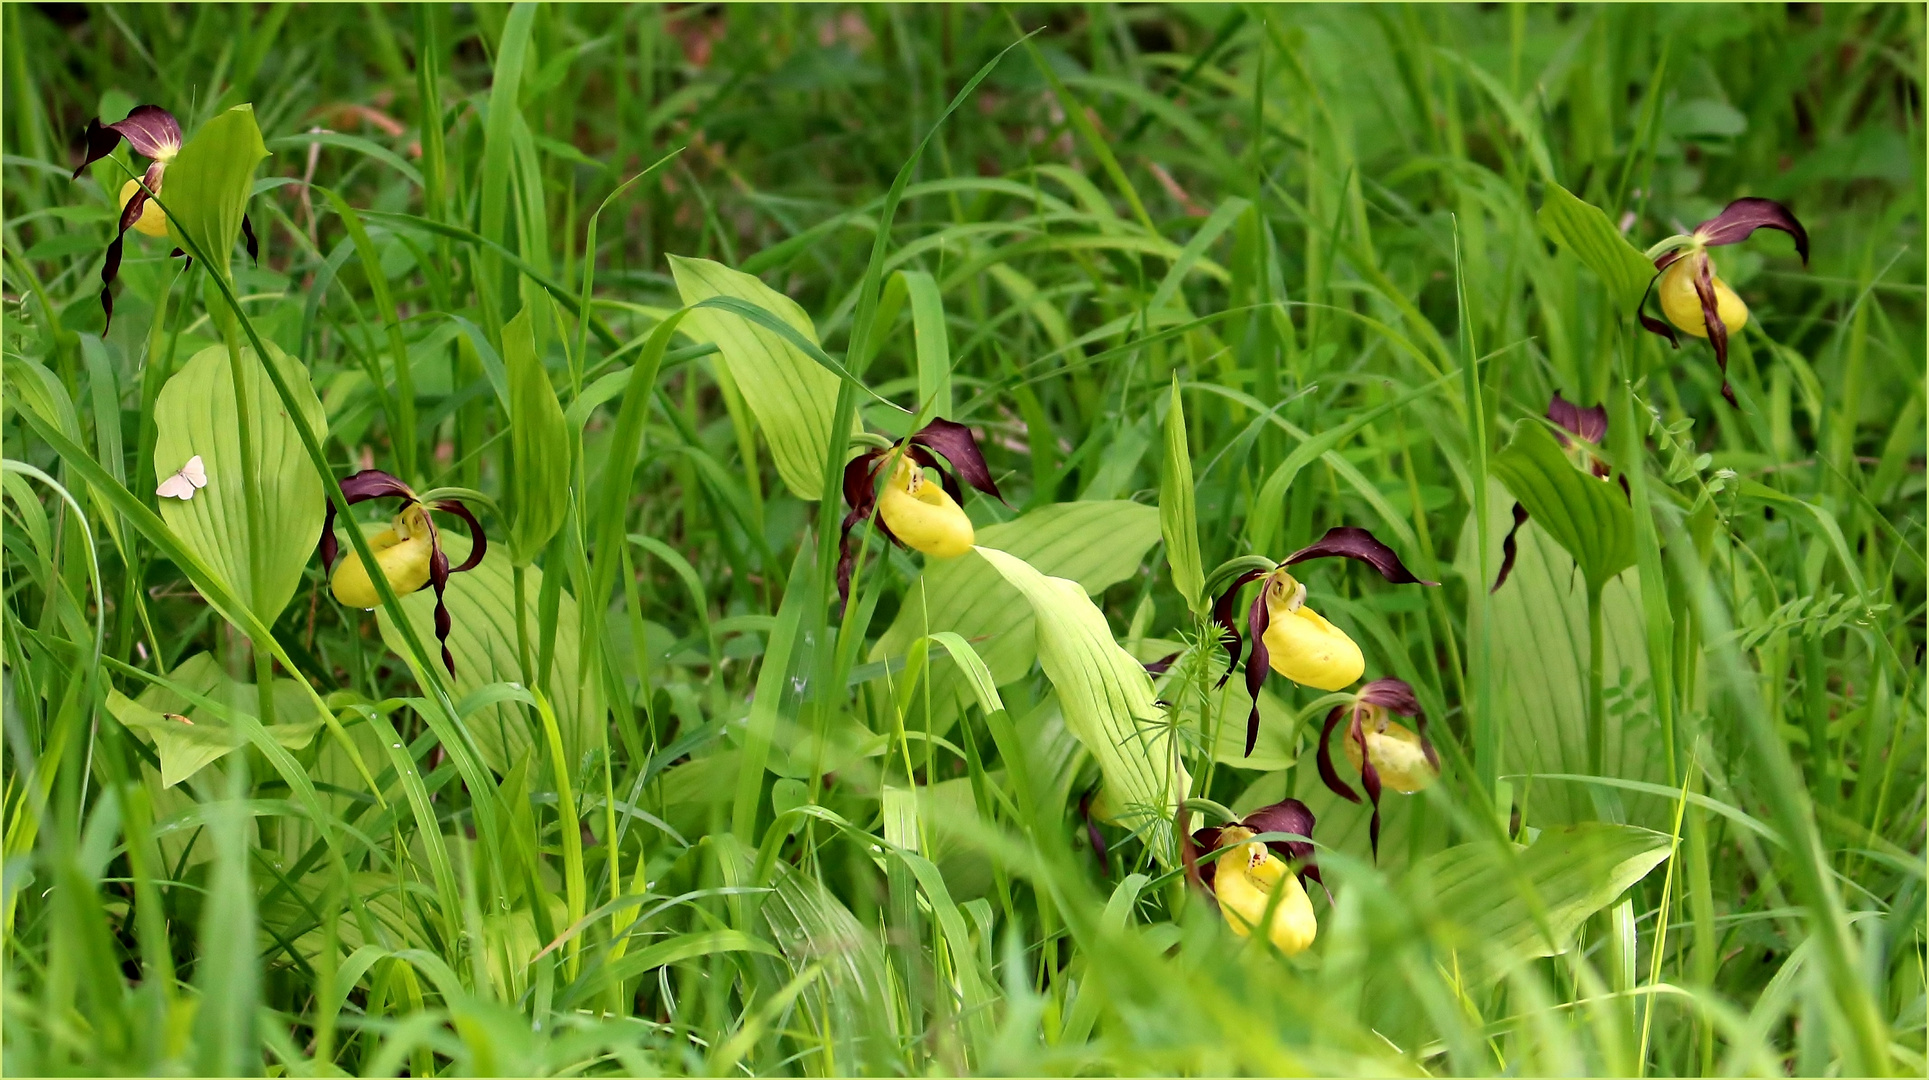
point(185, 482)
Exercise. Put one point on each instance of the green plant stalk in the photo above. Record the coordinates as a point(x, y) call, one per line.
point(1596, 708)
point(1486, 727)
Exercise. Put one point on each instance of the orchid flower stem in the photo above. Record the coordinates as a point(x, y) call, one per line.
point(1596, 718)
point(522, 630)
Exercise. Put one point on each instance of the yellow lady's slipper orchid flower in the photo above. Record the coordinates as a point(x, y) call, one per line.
point(1693, 296)
point(408, 552)
point(1291, 638)
point(1385, 752)
point(402, 551)
point(153, 133)
point(1246, 891)
point(1302, 645)
point(1257, 884)
point(920, 513)
point(913, 510)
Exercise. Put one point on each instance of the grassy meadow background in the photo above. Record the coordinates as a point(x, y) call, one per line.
point(678, 811)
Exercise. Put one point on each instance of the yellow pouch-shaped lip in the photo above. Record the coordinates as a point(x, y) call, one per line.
point(1682, 305)
point(1309, 650)
point(1245, 882)
point(402, 550)
point(1398, 755)
point(922, 515)
point(152, 221)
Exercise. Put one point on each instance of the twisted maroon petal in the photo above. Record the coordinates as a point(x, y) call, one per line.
point(1228, 626)
point(1327, 773)
point(248, 234)
point(1711, 319)
point(1369, 778)
point(1742, 217)
point(478, 542)
point(1353, 542)
point(1589, 424)
point(439, 577)
point(1258, 617)
point(960, 447)
point(1204, 840)
point(1652, 325)
point(1509, 549)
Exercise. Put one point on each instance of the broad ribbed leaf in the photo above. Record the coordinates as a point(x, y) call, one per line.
point(1097, 544)
point(1539, 634)
point(186, 746)
point(1573, 871)
point(1106, 697)
point(1585, 514)
point(195, 415)
point(792, 396)
point(1585, 230)
point(482, 607)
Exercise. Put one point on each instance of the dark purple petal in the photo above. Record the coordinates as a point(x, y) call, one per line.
point(328, 545)
point(1160, 666)
point(1092, 834)
point(478, 543)
point(1652, 325)
point(1369, 778)
point(960, 448)
point(1711, 318)
point(439, 577)
point(109, 270)
point(1391, 694)
point(1743, 216)
point(1327, 773)
point(1589, 424)
point(248, 234)
point(1353, 542)
point(860, 481)
point(1509, 549)
point(1206, 839)
point(1258, 617)
point(1228, 627)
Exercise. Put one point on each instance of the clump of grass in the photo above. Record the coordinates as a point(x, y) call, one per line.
point(1205, 282)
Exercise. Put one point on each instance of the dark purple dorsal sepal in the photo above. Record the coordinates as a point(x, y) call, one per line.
point(150, 131)
point(1589, 424)
point(1353, 542)
point(959, 447)
point(1739, 219)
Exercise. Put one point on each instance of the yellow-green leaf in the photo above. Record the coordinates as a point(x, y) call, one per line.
point(195, 415)
point(793, 397)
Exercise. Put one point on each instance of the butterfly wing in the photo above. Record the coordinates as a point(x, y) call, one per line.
point(195, 472)
point(176, 487)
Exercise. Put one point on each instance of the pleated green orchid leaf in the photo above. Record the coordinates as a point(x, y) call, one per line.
point(206, 503)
